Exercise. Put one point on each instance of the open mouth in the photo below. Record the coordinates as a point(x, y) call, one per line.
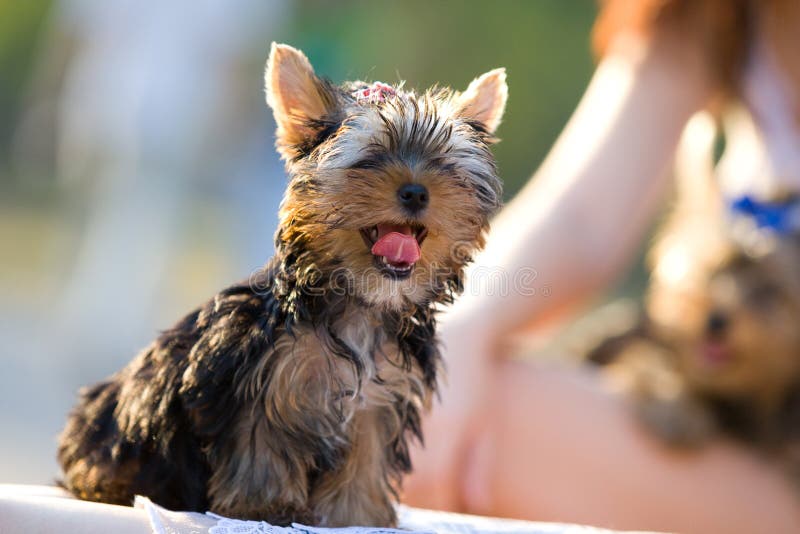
point(715, 354)
point(395, 248)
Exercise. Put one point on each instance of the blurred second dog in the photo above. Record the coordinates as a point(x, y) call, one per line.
point(717, 349)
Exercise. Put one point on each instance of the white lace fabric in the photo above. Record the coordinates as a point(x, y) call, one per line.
point(236, 526)
point(412, 521)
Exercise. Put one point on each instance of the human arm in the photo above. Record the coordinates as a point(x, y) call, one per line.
point(576, 224)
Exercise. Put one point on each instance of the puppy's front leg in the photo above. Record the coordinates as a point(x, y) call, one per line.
point(360, 491)
point(289, 428)
point(259, 473)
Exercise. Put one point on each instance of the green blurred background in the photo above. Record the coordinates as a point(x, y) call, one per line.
point(137, 174)
point(544, 45)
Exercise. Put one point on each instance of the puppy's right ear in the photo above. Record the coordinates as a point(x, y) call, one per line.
point(485, 99)
point(299, 100)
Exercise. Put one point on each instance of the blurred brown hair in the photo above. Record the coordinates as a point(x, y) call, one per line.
point(720, 29)
point(717, 28)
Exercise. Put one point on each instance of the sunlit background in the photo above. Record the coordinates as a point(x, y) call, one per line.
point(137, 170)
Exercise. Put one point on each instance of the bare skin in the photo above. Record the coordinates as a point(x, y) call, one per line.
point(512, 439)
point(583, 460)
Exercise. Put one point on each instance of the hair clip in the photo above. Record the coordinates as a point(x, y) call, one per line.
point(374, 94)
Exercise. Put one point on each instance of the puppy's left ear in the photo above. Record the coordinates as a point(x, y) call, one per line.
point(298, 98)
point(484, 100)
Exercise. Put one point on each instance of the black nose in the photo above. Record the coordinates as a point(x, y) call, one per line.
point(717, 323)
point(413, 197)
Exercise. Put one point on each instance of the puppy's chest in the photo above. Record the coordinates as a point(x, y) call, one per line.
point(385, 378)
point(363, 336)
point(309, 378)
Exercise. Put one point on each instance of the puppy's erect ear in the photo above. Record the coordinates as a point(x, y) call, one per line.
point(297, 97)
point(485, 99)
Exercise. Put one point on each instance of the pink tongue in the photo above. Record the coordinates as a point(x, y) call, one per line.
point(715, 353)
point(397, 248)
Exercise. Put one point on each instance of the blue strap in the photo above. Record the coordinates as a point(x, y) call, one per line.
point(779, 217)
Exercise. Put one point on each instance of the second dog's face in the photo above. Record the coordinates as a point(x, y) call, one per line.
point(734, 316)
point(390, 191)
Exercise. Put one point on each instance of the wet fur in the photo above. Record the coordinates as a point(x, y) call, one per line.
point(293, 396)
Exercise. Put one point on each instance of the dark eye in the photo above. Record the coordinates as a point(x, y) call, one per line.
point(369, 164)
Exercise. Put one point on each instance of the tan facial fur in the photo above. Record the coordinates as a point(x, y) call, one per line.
point(349, 181)
point(712, 297)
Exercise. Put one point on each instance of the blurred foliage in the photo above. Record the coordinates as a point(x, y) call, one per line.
point(21, 25)
point(544, 45)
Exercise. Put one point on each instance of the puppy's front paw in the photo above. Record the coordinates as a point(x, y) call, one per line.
point(680, 422)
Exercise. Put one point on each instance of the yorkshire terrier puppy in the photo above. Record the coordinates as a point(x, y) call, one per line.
point(292, 397)
point(717, 349)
